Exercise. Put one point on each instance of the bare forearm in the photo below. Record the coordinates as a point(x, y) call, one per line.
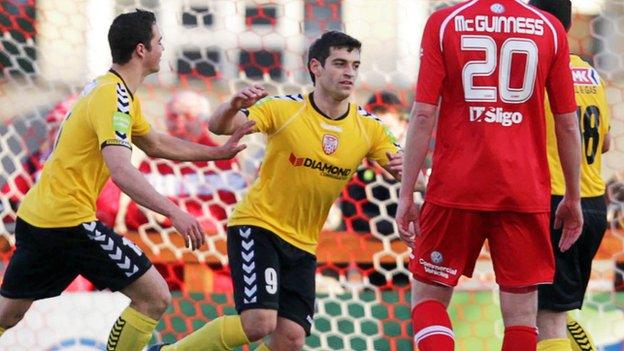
point(569, 148)
point(420, 127)
point(221, 120)
point(132, 182)
point(177, 149)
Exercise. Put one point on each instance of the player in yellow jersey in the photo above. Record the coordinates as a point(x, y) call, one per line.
point(57, 234)
point(573, 267)
point(315, 142)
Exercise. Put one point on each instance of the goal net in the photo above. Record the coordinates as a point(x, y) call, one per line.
point(49, 49)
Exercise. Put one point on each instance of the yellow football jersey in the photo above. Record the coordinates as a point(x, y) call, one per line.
point(593, 115)
point(75, 173)
point(309, 158)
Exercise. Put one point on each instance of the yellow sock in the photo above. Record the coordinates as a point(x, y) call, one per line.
point(554, 345)
point(263, 347)
point(580, 339)
point(222, 334)
point(2, 330)
point(131, 332)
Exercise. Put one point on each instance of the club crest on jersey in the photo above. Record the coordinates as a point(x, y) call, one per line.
point(330, 144)
point(497, 8)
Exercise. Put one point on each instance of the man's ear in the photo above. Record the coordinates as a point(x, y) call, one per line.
point(315, 66)
point(140, 50)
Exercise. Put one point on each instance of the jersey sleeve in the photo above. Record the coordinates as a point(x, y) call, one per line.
point(110, 125)
point(140, 126)
point(382, 141)
point(264, 113)
point(431, 72)
point(559, 84)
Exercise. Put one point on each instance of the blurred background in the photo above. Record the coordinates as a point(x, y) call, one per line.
point(49, 49)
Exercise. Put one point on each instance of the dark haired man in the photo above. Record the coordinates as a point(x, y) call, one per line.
point(57, 233)
point(573, 267)
point(315, 143)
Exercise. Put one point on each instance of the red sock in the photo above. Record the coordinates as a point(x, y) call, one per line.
point(432, 327)
point(520, 338)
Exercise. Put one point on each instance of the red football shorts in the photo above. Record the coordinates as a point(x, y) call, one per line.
point(451, 240)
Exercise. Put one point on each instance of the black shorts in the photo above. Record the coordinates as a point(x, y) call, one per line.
point(270, 273)
point(47, 260)
point(573, 267)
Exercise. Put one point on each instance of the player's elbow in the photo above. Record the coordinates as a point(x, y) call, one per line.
point(423, 115)
point(566, 124)
point(214, 126)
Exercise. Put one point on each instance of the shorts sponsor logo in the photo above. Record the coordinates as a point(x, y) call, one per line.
point(436, 257)
point(431, 268)
point(309, 319)
point(326, 169)
point(330, 143)
point(495, 115)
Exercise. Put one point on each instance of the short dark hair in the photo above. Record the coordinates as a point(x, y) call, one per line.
point(562, 9)
point(321, 47)
point(129, 30)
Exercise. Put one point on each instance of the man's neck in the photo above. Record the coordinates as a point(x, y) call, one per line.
point(330, 107)
point(131, 75)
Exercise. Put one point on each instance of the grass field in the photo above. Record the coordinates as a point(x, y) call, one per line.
point(366, 322)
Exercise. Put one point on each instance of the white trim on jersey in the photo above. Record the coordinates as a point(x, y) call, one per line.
point(552, 28)
point(448, 19)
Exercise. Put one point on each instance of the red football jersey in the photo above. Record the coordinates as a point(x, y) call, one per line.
point(490, 62)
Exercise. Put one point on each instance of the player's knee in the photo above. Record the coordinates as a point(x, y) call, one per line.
point(153, 304)
point(257, 325)
point(519, 314)
point(292, 340)
point(161, 302)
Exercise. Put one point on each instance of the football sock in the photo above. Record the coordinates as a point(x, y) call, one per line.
point(223, 334)
point(432, 327)
point(520, 338)
point(580, 340)
point(554, 345)
point(131, 332)
point(263, 347)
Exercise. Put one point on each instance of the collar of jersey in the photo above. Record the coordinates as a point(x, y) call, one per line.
point(123, 81)
point(344, 115)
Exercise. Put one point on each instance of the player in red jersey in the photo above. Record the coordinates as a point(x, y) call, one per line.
point(490, 62)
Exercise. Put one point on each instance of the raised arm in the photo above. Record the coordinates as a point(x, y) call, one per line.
point(132, 182)
point(228, 117)
point(156, 144)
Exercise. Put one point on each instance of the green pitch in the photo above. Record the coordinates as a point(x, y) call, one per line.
point(366, 322)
